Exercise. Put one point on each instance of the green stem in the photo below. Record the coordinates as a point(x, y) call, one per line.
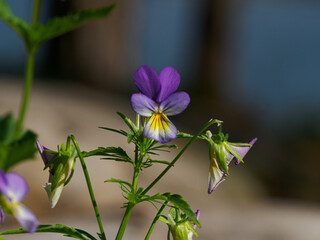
point(93, 200)
point(36, 11)
point(125, 221)
point(130, 205)
point(29, 73)
point(155, 220)
point(26, 92)
point(208, 124)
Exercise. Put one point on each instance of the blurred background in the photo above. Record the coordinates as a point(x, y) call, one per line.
point(252, 63)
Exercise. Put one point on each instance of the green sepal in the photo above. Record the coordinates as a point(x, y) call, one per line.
point(58, 228)
point(184, 135)
point(190, 227)
point(60, 167)
point(232, 151)
point(163, 219)
point(220, 156)
point(240, 144)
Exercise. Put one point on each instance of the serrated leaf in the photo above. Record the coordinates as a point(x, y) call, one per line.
point(18, 150)
point(181, 204)
point(22, 28)
point(60, 25)
point(58, 228)
point(177, 201)
point(100, 151)
point(111, 153)
point(7, 129)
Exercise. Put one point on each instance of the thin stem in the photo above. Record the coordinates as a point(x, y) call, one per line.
point(125, 221)
point(29, 73)
point(26, 93)
point(208, 124)
point(155, 220)
point(130, 205)
point(93, 200)
point(36, 11)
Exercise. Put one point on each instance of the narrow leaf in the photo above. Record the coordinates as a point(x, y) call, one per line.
point(124, 133)
point(58, 228)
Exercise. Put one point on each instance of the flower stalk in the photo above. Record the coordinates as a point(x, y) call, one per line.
point(93, 200)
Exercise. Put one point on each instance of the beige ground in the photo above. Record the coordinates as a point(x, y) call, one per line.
point(236, 210)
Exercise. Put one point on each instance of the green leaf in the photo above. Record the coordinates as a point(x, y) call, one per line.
point(7, 128)
point(60, 25)
point(58, 228)
point(124, 133)
point(110, 153)
point(129, 123)
point(121, 182)
point(22, 28)
point(177, 201)
point(18, 150)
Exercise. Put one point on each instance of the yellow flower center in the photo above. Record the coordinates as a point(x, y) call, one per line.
point(159, 121)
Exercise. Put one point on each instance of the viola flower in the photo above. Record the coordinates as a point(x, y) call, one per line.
point(221, 155)
point(13, 189)
point(59, 169)
point(158, 100)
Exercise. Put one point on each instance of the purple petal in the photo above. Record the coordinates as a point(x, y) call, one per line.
point(46, 157)
point(175, 103)
point(169, 80)
point(3, 182)
point(26, 218)
point(17, 187)
point(2, 215)
point(160, 128)
point(143, 105)
point(147, 81)
point(242, 151)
